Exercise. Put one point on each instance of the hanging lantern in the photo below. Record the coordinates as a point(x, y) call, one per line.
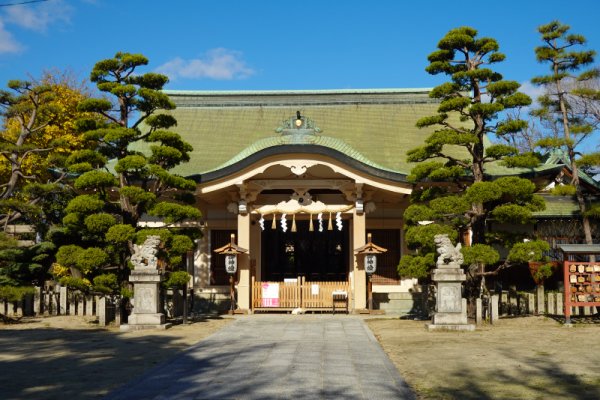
point(311, 228)
point(330, 224)
point(293, 222)
point(274, 223)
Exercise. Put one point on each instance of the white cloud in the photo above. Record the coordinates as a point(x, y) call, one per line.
point(8, 44)
point(38, 17)
point(531, 90)
point(219, 64)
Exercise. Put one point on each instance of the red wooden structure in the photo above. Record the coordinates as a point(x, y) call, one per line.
point(581, 279)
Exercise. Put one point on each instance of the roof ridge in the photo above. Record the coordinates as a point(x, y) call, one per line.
point(299, 91)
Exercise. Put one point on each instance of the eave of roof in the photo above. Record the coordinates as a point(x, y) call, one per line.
point(298, 149)
point(580, 248)
point(559, 207)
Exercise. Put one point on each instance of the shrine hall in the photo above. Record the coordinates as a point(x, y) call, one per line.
point(302, 179)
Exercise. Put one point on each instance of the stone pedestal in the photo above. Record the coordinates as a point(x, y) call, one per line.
point(146, 313)
point(450, 308)
point(146, 278)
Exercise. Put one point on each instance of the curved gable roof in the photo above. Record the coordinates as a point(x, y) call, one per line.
point(375, 125)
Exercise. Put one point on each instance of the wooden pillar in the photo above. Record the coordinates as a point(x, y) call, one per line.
point(360, 277)
point(243, 287)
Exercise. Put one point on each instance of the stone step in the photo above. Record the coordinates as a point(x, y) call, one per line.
point(399, 303)
point(211, 302)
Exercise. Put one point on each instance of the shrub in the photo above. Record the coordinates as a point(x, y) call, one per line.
point(75, 283)
point(15, 293)
point(106, 283)
point(178, 279)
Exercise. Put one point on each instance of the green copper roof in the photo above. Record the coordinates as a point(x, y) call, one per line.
point(558, 156)
point(373, 126)
point(495, 169)
point(318, 140)
point(376, 126)
point(559, 206)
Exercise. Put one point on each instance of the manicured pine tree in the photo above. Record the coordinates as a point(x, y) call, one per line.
point(562, 52)
point(453, 193)
point(135, 136)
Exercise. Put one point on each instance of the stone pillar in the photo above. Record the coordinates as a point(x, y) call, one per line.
point(146, 302)
point(101, 310)
point(146, 278)
point(587, 311)
point(360, 277)
point(80, 304)
point(243, 240)
point(559, 304)
point(540, 300)
point(53, 303)
point(494, 313)
point(37, 298)
point(530, 303)
point(450, 309)
point(551, 303)
point(63, 300)
point(89, 305)
point(478, 312)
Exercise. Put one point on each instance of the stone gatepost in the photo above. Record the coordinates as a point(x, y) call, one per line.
point(146, 278)
point(450, 307)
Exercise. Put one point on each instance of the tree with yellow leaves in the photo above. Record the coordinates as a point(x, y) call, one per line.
point(39, 132)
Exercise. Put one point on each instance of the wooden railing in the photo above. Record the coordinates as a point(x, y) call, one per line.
point(311, 296)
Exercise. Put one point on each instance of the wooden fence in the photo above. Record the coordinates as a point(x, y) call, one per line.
point(286, 296)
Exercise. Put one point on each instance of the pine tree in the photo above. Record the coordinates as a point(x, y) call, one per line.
point(562, 91)
point(105, 216)
point(454, 194)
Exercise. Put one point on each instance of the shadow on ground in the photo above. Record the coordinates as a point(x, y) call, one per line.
point(538, 378)
point(51, 363)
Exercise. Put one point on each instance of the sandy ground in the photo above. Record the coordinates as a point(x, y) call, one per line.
point(519, 358)
point(71, 358)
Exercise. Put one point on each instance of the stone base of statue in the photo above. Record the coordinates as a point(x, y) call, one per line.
point(146, 301)
point(146, 278)
point(450, 307)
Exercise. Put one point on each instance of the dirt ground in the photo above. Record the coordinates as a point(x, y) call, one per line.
point(71, 357)
point(518, 358)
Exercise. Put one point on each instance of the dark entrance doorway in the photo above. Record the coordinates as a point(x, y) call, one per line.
point(318, 256)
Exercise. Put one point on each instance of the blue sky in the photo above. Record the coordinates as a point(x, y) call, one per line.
point(248, 45)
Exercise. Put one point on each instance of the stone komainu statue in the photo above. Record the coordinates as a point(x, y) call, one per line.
point(448, 253)
point(144, 256)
